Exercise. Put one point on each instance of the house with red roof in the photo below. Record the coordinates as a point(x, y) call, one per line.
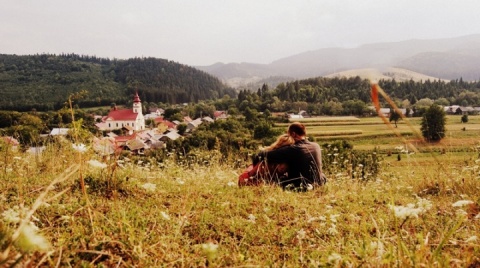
point(126, 118)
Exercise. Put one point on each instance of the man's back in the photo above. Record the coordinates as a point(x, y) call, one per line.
point(304, 162)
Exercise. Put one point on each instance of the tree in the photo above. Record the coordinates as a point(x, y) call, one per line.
point(182, 128)
point(433, 123)
point(394, 116)
point(464, 118)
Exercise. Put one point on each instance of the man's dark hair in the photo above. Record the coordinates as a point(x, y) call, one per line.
point(297, 128)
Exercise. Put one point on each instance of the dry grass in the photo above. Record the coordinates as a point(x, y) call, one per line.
point(183, 215)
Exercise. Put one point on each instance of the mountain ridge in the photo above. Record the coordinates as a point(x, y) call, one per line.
point(450, 58)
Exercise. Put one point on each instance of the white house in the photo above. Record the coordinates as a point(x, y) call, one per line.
point(129, 118)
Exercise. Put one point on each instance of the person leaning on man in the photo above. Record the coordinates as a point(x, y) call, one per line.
point(303, 160)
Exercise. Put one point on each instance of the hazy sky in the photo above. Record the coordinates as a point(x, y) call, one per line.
point(203, 32)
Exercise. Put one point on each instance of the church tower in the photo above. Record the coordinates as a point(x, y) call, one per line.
point(137, 104)
point(137, 109)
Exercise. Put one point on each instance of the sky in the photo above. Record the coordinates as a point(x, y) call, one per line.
point(204, 32)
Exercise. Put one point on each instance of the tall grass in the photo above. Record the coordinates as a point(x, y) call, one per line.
point(195, 215)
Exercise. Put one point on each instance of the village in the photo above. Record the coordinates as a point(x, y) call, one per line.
point(138, 138)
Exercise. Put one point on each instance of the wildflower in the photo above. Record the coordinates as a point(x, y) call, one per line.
point(149, 186)
point(30, 240)
point(334, 257)
point(251, 218)
point(461, 212)
point(181, 182)
point(333, 217)
point(17, 158)
point(66, 218)
point(378, 247)
point(11, 215)
point(424, 204)
point(210, 250)
point(402, 212)
point(411, 210)
point(462, 203)
point(301, 234)
point(165, 216)
point(81, 148)
point(97, 164)
point(332, 230)
point(472, 239)
point(231, 183)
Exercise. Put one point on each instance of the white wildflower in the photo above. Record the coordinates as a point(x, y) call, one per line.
point(30, 240)
point(149, 186)
point(165, 215)
point(301, 234)
point(231, 183)
point(334, 217)
point(332, 230)
point(210, 250)
point(11, 215)
point(424, 204)
point(462, 203)
point(461, 212)
point(473, 238)
point(378, 248)
point(334, 257)
point(411, 210)
point(81, 148)
point(17, 158)
point(97, 164)
point(67, 218)
point(251, 218)
point(402, 212)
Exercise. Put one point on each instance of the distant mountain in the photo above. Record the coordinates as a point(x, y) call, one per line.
point(448, 59)
point(45, 82)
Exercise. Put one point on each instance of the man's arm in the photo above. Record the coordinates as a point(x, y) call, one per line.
point(279, 155)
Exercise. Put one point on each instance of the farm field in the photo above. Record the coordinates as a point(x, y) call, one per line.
point(371, 132)
point(69, 207)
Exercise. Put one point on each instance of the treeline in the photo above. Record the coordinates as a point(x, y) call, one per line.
point(44, 82)
point(351, 96)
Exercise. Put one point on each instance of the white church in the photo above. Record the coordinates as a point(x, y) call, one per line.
point(131, 119)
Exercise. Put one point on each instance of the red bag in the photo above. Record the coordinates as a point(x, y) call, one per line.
point(245, 179)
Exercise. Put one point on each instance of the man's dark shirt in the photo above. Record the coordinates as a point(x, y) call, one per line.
point(304, 161)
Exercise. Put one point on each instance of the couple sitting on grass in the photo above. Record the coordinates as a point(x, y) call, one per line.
point(291, 162)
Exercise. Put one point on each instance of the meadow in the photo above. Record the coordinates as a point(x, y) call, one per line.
point(70, 207)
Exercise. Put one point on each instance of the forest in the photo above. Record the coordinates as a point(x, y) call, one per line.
point(44, 82)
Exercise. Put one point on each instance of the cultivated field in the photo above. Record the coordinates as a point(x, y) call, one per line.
point(69, 207)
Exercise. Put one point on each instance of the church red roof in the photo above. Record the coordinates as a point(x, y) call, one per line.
point(123, 115)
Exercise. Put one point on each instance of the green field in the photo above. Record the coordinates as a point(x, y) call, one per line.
point(372, 132)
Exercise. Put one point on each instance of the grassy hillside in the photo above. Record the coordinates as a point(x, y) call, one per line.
point(45, 82)
point(137, 212)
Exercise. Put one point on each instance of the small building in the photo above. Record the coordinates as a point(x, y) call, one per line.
point(59, 131)
point(133, 118)
point(220, 115)
point(172, 135)
point(208, 119)
point(194, 124)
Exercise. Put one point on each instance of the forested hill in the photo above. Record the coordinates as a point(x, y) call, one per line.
point(45, 82)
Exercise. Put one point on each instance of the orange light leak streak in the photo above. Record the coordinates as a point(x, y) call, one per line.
point(376, 89)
